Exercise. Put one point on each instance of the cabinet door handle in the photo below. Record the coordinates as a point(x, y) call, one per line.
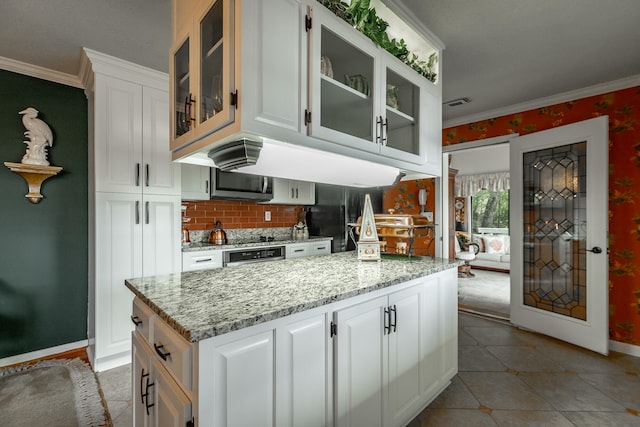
point(146, 174)
point(142, 377)
point(137, 212)
point(297, 193)
point(146, 212)
point(206, 186)
point(395, 317)
point(292, 193)
point(378, 129)
point(136, 320)
point(188, 110)
point(146, 394)
point(137, 174)
point(160, 351)
point(386, 321)
point(384, 129)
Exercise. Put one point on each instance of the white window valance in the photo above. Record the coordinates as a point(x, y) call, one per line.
point(469, 185)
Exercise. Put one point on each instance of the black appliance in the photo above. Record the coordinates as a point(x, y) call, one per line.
point(240, 186)
point(335, 207)
point(252, 255)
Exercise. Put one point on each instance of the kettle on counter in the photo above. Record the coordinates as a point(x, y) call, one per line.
point(218, 236)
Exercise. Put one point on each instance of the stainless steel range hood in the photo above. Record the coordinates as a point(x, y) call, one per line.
point(284, 160)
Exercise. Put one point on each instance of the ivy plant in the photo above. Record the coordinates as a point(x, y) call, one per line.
point(362, 17)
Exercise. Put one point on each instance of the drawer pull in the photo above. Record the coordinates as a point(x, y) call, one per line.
point(136, 320)
point(298, 250)
point(161, 353)
point(204, 260)
point(321, 248)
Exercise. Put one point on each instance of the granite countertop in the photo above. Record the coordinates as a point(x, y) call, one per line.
point(202, 304)
point(203, 246)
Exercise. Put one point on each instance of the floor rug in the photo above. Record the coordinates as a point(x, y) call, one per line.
point(52, 393)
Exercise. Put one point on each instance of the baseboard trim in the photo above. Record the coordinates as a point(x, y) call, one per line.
point(71, 350)
point(621, 347)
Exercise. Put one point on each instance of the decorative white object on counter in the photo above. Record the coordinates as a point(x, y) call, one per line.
point(368, 244)
point(40, 136)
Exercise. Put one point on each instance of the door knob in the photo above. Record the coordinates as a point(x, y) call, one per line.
point(595, 250)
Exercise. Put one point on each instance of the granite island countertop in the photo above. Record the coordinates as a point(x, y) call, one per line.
point(203, 304)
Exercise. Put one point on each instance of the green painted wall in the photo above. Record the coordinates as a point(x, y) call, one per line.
point(43, 247)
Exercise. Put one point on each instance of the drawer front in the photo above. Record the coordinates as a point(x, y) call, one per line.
point(297, 250)
point(320, 248)
point(201, 260)
point(143, 318)
point(175, 353)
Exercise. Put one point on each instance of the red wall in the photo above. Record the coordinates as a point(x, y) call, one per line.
point(236, 214)
point(623, 109)
point(403, 198)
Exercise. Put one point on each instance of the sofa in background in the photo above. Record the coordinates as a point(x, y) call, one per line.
point(495, 252)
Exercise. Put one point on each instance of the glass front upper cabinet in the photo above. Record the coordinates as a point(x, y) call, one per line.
point(203, 81)
point(361, 96)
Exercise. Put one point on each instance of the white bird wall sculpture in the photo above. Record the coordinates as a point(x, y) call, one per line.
point(39, 135)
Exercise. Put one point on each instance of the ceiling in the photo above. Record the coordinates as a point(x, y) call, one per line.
point(498, 52)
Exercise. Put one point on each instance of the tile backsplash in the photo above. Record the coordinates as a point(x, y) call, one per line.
point(202, 215)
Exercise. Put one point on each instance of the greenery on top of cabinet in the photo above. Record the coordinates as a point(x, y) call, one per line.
point(364, 19)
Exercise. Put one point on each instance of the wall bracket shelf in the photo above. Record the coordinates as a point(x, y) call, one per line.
point(34, 175)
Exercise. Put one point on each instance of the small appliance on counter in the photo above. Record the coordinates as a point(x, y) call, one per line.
point(217, 235)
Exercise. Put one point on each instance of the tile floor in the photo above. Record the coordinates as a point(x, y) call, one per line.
point(507, 377)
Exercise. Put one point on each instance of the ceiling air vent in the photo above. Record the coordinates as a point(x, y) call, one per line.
point(236, 154)
point(457, 101)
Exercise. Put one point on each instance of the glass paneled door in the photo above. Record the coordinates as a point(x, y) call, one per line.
point(559, 238)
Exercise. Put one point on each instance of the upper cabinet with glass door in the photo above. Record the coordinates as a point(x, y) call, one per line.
point(202, 73)
point(363, 97)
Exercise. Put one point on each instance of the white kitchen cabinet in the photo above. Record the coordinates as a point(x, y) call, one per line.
point(142, 359)
point(320, 247)
point(172, 406)
point(379, 363)
point(368, 99)
point(195, 182)
point(201, 260)
point(223, 62)
point(243, 382)
point(397, 345)
point(361, 364)
point(158, 401)
point(134, 196)
point(303, 374)
point(131, 138)
point(293, 192)
point(135, 237)
point(312, 248)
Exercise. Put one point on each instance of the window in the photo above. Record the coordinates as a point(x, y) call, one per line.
point(490, 209)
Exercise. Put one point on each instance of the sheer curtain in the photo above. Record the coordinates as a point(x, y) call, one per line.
point(469, 185)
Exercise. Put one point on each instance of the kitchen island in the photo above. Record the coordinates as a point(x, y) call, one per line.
point(307, 341)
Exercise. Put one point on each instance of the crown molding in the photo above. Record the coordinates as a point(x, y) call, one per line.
point(40, 72)
point(598, 89)
point(93, 62)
